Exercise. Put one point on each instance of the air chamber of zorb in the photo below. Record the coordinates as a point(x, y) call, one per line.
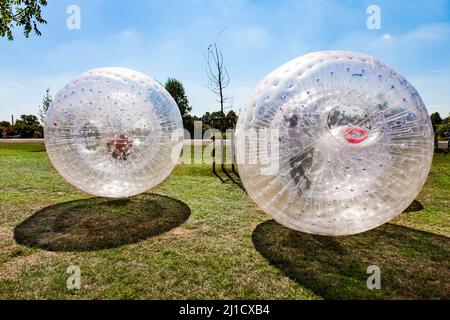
point(334, 143)
point(113, 132)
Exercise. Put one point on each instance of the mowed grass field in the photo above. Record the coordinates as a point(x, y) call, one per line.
point(193, 237)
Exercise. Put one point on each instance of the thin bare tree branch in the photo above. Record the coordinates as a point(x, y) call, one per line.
point(218, 77)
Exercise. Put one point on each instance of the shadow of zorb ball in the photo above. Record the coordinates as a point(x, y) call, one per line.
point(113, 132)
point(334, 143)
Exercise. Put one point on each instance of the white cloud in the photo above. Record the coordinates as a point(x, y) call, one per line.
point(421, 55)
point(258, 38)
point(422, 35)
point(434, 31)
point(250, 36)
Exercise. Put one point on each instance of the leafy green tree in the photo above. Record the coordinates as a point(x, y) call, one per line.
point(5, 127)
point(28, 126)
point(436, 119)
point(207, 119)
point(176, 90)
point(188, 123)
point(46, 101)
point(21, 13)
point(231, 120)
point(443, 129)
point(218, 119)
point(4, 124)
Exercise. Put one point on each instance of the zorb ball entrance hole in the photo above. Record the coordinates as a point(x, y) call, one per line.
point(355, 143)
point(113, 132)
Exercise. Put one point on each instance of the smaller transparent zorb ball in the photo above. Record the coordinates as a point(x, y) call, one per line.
point(334, 143)
point(113, 132)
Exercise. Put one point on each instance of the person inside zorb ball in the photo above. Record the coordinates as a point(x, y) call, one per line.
point(334, 143)
point(113, 132)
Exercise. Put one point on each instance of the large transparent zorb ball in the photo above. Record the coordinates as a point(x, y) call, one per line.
point(334, 143)
point(113, 132)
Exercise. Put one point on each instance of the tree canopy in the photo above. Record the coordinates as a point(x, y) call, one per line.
point(443, 129)
point(5, 126)
point(21, 13)
point(176, 90)
point(436, 119)
point(217, 119)
point(27, 126)
point(45, 104)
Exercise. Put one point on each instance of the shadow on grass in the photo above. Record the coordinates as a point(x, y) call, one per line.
point(414, 264)
point(99, 223)
point(414, 207)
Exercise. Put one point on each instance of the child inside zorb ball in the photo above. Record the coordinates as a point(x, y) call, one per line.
point(120, 147)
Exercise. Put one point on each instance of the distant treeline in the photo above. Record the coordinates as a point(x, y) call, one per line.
point(27, 126)
point(441, 126)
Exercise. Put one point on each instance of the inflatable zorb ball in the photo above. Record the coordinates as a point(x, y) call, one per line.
point(334, 143)
point(113, 132)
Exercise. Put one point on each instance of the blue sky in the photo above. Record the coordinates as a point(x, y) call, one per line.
point(170, 39)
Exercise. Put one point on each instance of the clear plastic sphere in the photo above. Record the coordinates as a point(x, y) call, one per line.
point(355, 143)
point(113, 132)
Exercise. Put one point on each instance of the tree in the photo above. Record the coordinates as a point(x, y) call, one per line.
point(21, 13)
point(28, 126)
point(218, 120)
point(176, 90)
point(4, 124)
point(231, 120)
point(218, 78)
point(188, 123)
point(207, 118)
point(46, 101)
point(436, 119)
point(443, 129)
point(5, 127)
point(213, 120)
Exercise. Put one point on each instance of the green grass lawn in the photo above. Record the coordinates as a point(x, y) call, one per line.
point(193, 237)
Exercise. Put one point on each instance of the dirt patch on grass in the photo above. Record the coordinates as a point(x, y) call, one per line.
point(12, 268)
point(180, 231)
